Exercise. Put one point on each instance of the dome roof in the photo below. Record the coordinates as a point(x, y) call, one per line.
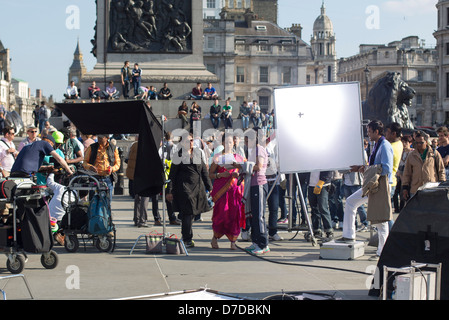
point(323, 23)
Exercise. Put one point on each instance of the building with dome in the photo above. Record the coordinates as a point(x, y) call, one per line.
point(323, 46)
point(252, 56)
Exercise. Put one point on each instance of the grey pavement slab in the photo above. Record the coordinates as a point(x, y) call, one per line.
point(292, 265)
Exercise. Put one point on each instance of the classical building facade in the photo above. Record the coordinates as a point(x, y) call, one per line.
point(416, 64)
point(251, 57)
point(15, 94)
point(6, 96)
point(232, 9)
point(442, 37)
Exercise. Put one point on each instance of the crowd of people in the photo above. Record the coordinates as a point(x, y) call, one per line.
point(224, 114)
point(233, 172)
point(51, 157)
point(233, 176)
point(132, 88)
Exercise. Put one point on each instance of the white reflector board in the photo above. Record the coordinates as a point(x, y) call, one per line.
point(319, 127)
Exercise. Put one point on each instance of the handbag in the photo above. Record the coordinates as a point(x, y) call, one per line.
point(196, 116)
point(154, 242)
point(174, 245)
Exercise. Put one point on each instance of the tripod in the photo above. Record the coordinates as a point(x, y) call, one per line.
point(290, 204)
point(165, 235)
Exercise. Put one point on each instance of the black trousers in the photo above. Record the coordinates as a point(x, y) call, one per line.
point(186, 227)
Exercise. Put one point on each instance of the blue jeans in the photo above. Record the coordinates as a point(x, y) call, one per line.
point(245, 122)
point(282, 203)
point(126, 88)
point(336, 201)
point(136, 86)
point(215, 122)
point(41, 124)
point(294, 196)
point(259, 233)
point(347, 191)
point(228, 122)
point(194, 97)
point(257, 122)
point(107, 180)
point(320, 214)
point(273, 207)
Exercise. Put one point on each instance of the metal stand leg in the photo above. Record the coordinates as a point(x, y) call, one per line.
point(301, 198)
point(15, 276)
point(135, 243)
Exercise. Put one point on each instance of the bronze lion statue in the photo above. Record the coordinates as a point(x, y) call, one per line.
point(388, 101)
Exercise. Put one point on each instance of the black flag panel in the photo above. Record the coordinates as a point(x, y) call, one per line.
point(127, 117)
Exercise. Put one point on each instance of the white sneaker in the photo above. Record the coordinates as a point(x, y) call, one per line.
point(245, 235)
point(252, 247)
point(276, 237)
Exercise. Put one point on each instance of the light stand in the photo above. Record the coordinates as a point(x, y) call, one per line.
point(303, 205)
point(164, 185)
point(165, 236)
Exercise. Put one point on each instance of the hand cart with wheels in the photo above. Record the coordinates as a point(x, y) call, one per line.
point(76, 219)
point(27, 228)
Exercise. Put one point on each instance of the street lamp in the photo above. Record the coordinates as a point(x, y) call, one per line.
point(367, 71)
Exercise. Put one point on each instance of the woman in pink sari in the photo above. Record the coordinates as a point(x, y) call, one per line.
point(229, 214)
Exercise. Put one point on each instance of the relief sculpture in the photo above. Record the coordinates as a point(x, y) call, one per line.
point(160, 26)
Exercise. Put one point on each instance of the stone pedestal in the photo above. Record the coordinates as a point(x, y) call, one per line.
point(180, 69)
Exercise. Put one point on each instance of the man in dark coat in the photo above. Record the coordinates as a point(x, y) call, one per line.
point(188, 182)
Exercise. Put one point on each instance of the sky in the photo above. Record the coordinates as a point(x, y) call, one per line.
point(42, 35)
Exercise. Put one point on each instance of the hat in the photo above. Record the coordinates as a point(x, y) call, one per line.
point(58, 136)
point(49, 138)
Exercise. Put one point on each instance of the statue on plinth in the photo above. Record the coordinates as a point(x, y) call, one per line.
point(388, 101)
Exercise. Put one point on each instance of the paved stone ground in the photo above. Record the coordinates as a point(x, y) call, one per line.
point(292, 265)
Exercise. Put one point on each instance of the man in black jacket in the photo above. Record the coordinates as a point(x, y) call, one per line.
point(215, 113)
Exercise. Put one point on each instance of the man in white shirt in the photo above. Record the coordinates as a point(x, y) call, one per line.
point(8, 151)
point(71, 91)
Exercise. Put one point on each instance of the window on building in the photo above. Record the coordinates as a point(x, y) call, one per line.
point(447, 16)
point(210, 42)
point(447, 48)
point(231, 4)
point(434, 99)
point(420, 75)
point(447, 84)
point(286, 75)
point(240, 74)
point(239, 4)
point(419, 99)
point(211, 4)
point(264, 102)
point(211, 68)
point(308, 79)
point(263, 74)
point(329, 74)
